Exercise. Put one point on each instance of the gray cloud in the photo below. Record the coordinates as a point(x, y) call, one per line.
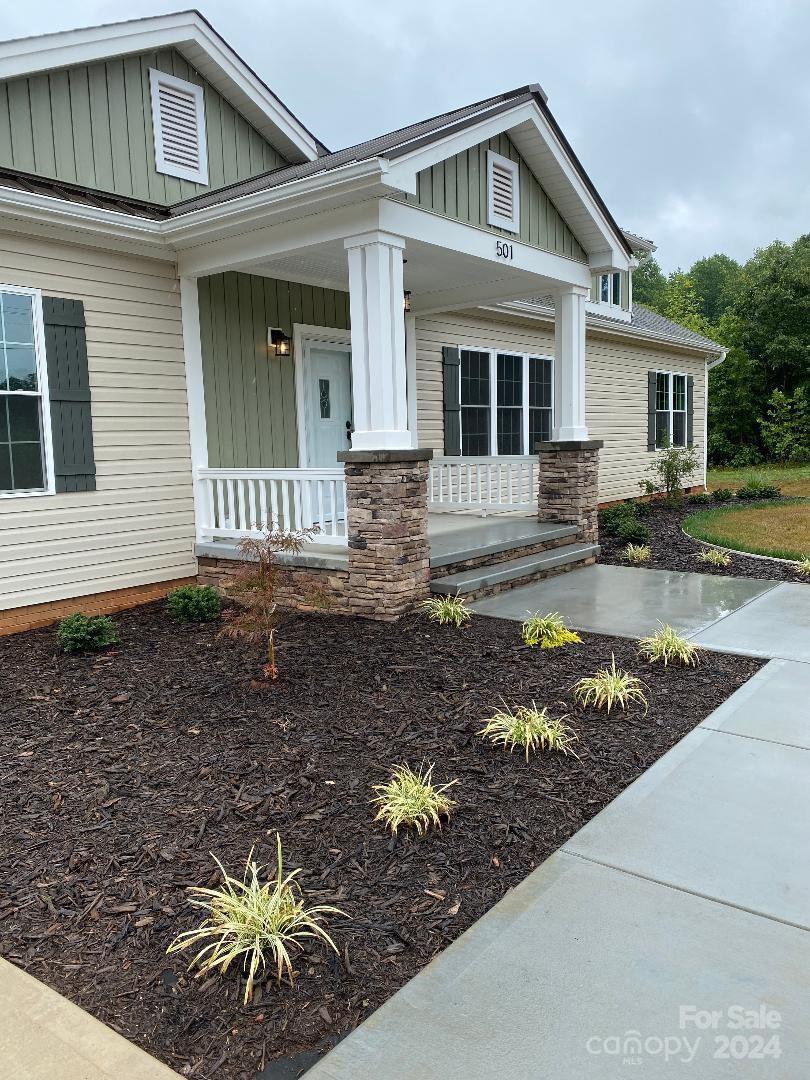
point(690, 117)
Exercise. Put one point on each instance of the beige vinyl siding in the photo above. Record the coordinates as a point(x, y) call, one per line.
point(137, 528)
point(616, 389)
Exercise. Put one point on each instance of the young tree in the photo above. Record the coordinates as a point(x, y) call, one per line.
point(681, 303)
point(715, 279)
point(649, 283)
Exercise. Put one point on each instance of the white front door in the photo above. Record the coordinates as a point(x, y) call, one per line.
point(328, 395)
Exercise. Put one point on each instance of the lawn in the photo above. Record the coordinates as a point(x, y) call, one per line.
point(794, 480)
point(123, 771)
point(779, 529)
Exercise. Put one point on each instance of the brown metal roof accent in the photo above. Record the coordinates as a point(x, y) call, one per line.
point(76, 193)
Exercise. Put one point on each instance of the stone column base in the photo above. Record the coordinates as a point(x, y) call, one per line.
point(386, 511)
point(568, 491)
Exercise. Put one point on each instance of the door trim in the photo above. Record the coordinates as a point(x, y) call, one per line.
point(303, 336)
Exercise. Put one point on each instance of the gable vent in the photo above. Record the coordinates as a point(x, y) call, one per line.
point(178, 119)
point(503, 192)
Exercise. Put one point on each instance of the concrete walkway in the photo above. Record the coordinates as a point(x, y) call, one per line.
point(669, 937)
point(742, 615)
point(43, 1036)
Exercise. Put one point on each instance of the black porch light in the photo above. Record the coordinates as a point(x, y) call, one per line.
point(406, 300)
point(278, 340)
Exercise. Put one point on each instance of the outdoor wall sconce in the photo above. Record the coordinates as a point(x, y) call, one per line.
point(278, 341)
point(406, 301)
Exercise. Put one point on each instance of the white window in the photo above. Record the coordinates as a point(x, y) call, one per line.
point(25, 439)
point(506, 402)
point(503, 192)
point(610, 289)
point(178, 120)
point(670, 409)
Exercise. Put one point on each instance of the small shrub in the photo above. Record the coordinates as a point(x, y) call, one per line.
point(633, 532)
point(723, 494)
point(548, 631)
point(668, 471)
point(409, 798)
point(668, 646)
point(86, 633)
point(447, 610)
point(530, 729)
point(700, 498)
point(194, 603)
point(613, 517)
point(758, 489)
point(608, 687)
point(637, 553)
point(714, 557)
point(803, 567)
point(257, 924)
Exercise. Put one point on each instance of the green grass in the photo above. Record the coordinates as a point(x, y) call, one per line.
point(779, 529)
point(794, 480)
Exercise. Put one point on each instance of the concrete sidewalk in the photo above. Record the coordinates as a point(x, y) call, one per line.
point(667, 938)
point(741, 615)
point(43, 1036)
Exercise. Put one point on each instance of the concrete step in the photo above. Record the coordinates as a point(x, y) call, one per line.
point(488, 579)
point(464, 539)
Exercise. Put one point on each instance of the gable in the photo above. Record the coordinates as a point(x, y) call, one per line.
point(91, 124)
point(457, 188)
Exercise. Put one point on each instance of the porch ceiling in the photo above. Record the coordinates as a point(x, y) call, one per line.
point(438, 279)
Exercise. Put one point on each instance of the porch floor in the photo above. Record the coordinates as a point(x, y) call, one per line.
point(453, 537)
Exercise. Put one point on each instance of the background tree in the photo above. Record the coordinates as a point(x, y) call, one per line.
point(715, 279)
point(649, 282)
point(682, 304)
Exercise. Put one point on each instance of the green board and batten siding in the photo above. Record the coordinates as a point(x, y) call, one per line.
point(457, 188)
point(92, 125)
point(250, 408)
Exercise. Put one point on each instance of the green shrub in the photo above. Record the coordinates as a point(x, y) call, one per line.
point(633, 532)
point(613, 517)
point(447, 610)
point(758, 489)
point(548, 631)
point(786, 430)
point(194, 603)
point(700, 498)
point(86, 633)
point(723, 494)
point(668, 471)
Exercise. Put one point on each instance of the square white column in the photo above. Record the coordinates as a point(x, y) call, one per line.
point(569, 365)
point(379, 375)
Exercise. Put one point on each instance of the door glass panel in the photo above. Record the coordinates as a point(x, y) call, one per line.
point(323, 398)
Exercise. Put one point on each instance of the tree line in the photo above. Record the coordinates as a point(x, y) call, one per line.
point(759, 397)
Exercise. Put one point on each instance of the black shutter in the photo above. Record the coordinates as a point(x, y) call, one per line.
point(651, 386)
point(69, 394)
point(690, 410)
point(451, 377)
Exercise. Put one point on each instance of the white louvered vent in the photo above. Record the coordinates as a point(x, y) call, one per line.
point(178, 119)
point(503, 192)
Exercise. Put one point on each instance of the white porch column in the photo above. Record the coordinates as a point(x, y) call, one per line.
point(379, 380)
point(195, 395)
point(569, 365)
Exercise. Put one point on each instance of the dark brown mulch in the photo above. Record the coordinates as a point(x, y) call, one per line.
point(120, 773)
point(672, 549)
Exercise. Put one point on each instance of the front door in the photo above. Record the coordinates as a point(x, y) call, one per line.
point(328, 392)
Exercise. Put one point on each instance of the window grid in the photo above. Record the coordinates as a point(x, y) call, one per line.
point(670, 409)
point(610, 289)
point(22, 443)
point(519, 412)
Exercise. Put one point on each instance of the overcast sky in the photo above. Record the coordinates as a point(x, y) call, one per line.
point(691, 117)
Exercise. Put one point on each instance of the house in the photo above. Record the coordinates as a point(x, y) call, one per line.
point(212, 323)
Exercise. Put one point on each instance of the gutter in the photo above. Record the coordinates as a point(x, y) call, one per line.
point(719, 360)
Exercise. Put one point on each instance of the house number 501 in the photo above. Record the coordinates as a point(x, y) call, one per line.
point(504, 251)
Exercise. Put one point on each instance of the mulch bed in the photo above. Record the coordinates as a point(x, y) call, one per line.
point(672, 549)
point(121, 772)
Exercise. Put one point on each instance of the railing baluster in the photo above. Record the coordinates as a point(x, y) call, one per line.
point(262, 503)
point(274, 520)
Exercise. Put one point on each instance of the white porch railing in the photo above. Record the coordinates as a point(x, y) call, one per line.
point(485, 483)
point(237, 503)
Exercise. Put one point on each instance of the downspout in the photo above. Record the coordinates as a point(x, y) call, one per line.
point(711, 364)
